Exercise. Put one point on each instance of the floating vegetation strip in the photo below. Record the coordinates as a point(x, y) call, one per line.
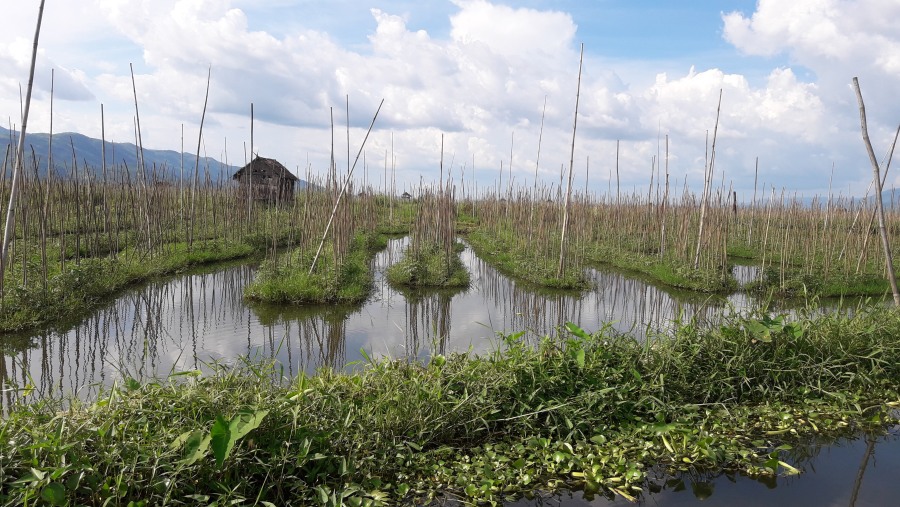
point(432, 258)
point(85, 284)
point(430, 266)
point(506, 256)
point(588, 411)
point(668, 271)
point(289, 281)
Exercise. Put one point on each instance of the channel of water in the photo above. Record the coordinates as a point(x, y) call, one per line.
point(188, 321)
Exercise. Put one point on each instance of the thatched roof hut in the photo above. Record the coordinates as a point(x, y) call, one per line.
point(267, 179)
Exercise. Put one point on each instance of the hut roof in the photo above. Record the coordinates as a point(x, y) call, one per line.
point(266, 166)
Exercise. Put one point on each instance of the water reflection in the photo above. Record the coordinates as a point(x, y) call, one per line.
point(189, 321)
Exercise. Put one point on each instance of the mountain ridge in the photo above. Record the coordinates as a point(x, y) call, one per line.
point(88, 154)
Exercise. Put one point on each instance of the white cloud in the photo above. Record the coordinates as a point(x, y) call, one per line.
point(514, 33)
point(836, 39)
point(479, 81)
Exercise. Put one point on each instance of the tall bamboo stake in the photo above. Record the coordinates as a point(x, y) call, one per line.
point(20, 152)
point(197, 161)
point(705, 197)
point(565, 223)
point(337, 201)
point(889, 262)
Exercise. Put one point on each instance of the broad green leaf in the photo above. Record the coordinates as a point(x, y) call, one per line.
point(221, 440)
point(245, 422)
point(579, 358)
point(577, 331)
point(195, 446)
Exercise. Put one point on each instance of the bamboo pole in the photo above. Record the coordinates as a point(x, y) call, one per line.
point(565, 223)
point(337, 201)
point(197, 161)
point(709, 173)
point(20, 152)
point(889, 262)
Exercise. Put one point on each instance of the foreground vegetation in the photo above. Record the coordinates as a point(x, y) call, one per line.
point(585, 411)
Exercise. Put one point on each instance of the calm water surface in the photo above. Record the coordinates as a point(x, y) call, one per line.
point(188, 321)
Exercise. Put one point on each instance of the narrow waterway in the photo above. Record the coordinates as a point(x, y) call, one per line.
point(190, 321)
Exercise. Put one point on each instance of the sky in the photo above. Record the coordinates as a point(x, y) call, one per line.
point(493, 82)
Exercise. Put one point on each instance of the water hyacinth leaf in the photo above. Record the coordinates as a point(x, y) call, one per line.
point(598, 439)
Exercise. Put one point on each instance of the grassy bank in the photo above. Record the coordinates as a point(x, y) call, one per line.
point(503, 253)
point(432, 257)
point(795, 282)
point(589, 411)
point(429, 267)
point(86, 284)
point(288, 281)
point(668, 271)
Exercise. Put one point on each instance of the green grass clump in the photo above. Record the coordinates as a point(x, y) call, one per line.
point(84, 285)
point(587, 411)
point(289, 281)
point(666, 270)
point(429, 267)
point(794, 282)
point(501, 252)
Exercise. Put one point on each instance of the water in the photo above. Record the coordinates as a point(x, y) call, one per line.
point(187, 322)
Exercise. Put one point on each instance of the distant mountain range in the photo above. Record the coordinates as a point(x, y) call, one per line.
point(88, 154)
